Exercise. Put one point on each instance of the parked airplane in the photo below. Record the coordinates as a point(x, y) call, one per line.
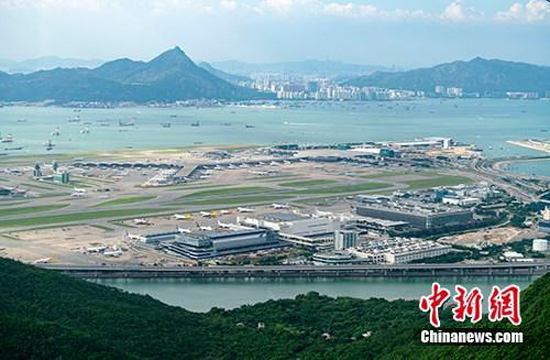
point(245, 210)
point(204, 228)
point(43, 261)
point(141, 222)
point(224, 225)
point(280, 206)
point(182, 217)
point(183, 230)
point(206, 214)
point(319, 213)
point(261, 173)
point(225, 212)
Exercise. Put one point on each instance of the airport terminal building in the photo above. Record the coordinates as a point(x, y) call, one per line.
point(210, 244)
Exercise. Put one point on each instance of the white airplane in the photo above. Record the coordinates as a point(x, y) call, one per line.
point(79, 190)
point(224, 225)
point(141, 222)
point(280, 206)
point(206, 214)
point(113, 253)
point(204, 177)
point(134, 237)
point(245, 210)
point(183, 230)
point(182, 217)
point(225, 212)
point(78, 194)
point(42, 261)
point(205, 228)
point(259, 172)
point(323, 213)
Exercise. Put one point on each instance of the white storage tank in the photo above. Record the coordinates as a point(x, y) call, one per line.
point(540, 245)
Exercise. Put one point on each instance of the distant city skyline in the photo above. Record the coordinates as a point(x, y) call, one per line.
point(391, 33)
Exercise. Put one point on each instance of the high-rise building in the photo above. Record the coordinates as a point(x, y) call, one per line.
point(345, 239)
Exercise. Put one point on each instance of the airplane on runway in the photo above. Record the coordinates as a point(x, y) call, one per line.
point(182, 217)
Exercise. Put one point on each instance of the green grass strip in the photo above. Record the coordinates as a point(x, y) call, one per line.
point(243, 200)
point(442, 180)
point(307, 183)
point(228, 191)
point(124, 201)
point(80, 216)
point(344, 188)
point(30, 209)
point(37, 186)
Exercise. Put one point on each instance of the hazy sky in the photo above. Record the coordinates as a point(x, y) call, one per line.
point(385, 32)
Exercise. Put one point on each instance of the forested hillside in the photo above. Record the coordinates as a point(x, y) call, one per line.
point(46, 315)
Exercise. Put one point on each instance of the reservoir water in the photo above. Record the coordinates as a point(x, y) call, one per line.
point(201, 295)
point(488, 123)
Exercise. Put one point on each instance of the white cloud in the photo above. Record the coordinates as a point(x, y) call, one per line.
point(54, 4)
point(228, 4)
point(533, 11)
point(457, 12)
point(278, 5)
point(370, 11)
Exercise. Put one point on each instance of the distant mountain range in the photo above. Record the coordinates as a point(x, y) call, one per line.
point(231, 78)
point(486, 77)
point(327, 68)
point(44, 63)
point(169, 77)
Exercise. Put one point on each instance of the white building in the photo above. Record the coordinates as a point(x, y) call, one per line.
point(290, 223)
point(345, 239)
point(540, 245)
point(400, 250)
point(408, 254)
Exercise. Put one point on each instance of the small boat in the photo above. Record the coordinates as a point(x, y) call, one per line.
point(126, 123)
point(7, 139)
point(196, 124)
point(173, 115)
point(85, 131)
point(249, 126)
point(166, 125)
point(14, 148)
point(49, 145)
point(75, 119)
point(56, 132)
point(22, 120)
point(543, 130)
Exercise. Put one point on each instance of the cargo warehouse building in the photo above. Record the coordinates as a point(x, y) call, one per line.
point(209, 244)
point(418, 217)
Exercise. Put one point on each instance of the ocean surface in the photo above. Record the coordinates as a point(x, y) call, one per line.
point(487, 123)
point(201, 295)
point(530, 168)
